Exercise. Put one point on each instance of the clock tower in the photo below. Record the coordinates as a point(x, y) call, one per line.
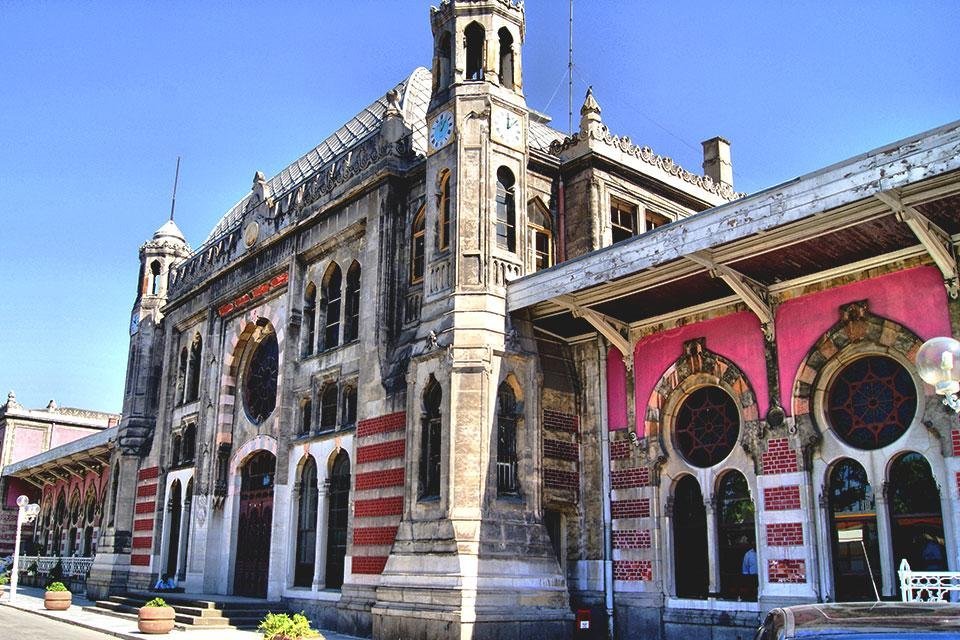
point(472, 557)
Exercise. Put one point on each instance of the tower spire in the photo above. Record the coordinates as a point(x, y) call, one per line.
point(176, 178)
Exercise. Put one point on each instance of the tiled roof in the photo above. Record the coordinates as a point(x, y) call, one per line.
point(541, 135)
point(414, 95)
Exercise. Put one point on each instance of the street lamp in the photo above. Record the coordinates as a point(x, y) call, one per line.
point(938, 363)
point(26, 512)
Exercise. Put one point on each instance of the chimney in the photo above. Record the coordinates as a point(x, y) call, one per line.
point(716, 161)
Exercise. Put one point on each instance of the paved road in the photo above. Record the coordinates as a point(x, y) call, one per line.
point(29, 625)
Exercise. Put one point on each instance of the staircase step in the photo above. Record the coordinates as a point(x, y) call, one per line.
point(193, 613)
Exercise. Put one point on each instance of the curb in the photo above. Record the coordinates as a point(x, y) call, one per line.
point(75, 623)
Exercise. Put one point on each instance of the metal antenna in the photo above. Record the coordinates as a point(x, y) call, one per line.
point(176, 178)
point(570, 77)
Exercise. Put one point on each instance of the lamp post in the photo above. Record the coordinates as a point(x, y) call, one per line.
point(26, 512)
point(938, 363)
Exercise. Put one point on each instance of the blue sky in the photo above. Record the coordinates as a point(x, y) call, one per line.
point(99, 98)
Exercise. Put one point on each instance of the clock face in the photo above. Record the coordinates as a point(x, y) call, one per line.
point(441, 130)
point(134, 322)
point(508, 127)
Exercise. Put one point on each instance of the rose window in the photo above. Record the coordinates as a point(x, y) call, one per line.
point(708, 424)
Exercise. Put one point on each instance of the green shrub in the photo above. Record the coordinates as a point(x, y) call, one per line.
point(4, 578)
point(277, 626)
point(57, 586)
point(157, 602)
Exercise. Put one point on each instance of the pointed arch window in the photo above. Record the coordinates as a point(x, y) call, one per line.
point(328, 407)
point(443, 210)
point(188, 445)
point(507, 414)
point(506, 210)
point(736, 538)
point(309, 319)
point(852, 509)
point(506, 58)
point(351, 325)
point(349, 417)
point(337, 520)
point(330, 305)
point(181, 392)
point(430, 442)
point(444, 60)
point(417, 247)
point(916, 518)
point(540, 226)
point(690, 540)
point(175, 450)
point(306, 525)
point(306, 416)
point(193, 369)
point(474, 37)
point(155, 277)
point(260, 379)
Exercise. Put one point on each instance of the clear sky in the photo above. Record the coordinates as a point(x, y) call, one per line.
point(99, 98)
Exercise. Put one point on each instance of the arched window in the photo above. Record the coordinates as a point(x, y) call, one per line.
point(507, 483)
point(155, 277)
point(182, 377)
point(736, 538)
point(417, 247)
point(349, 417)
point(690, 540)
point(871, 402)
point(328, 407)
point(309, 319)
point(351, 326)
point(175, 509)
point(541, 234)
point(193, 369)
point(188, 448)
point(306, 416)
point(430, 442)
point(506, 58)
point(444, 60)
point(337, 520)
point(175, 450)
point(443, 210)
point(330, 305)
point(259, 381)
point(707, 426)
point(306, 525)
point(916, 520)
point(506, 211)
point(852, 516)
point(474, 37)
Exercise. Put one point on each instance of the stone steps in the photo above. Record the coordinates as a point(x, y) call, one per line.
point(191, 613)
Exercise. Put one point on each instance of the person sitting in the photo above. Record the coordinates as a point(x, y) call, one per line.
point(166, 583)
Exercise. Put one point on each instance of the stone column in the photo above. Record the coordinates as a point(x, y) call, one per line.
point(320, 555)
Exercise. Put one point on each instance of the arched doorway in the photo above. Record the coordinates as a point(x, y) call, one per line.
point(690, 540)
point(337, 521)
point(736, 539)
point(916, 521)
point(176, 513)
point(255, 520)
point(853, 515)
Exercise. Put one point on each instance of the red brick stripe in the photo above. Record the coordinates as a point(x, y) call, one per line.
point(378, 507)
point(632, 539)
point(633, 570)
point(140, 560)
point(785, 534)
point(633, 477)
point(382, 424)
point(781, 498)
point(374, 535)
point(148, 473)
point(557, 421)
point(380, 479)
point(145, 507)
point(146, 491)
point(368, 564)
point(383, 451)
point(561, 479)
point(779, 457)
point(630, 508)
point(619, 449)
point(787, 571)
point(142, 543)
point(559, 450)
point(142, 525)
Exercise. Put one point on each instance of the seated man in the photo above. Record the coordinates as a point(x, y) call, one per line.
point(166, 583)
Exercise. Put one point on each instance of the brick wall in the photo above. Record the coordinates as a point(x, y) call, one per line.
point(620, 449)
point(630, 508)
point(559, 450)
point(378, 491)
point(632, 539)
point(785, 534)
point(635, 570)
point(787, 571)
point(144, 512)
point(561, 457)
point(955, 439)
point(779, 457)
point(559, 421)
point(630, 477)
point(781, 498)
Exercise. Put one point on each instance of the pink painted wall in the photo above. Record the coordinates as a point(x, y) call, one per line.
point(63, 435)
point(27, 442)
point(616, 390)
point(736, 337)
point(915, 298)
point(16, 488)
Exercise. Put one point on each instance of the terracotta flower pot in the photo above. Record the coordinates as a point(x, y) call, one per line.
point(57, 600)
point(155, 619)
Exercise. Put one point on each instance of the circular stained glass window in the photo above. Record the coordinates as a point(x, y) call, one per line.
point(871, 402)
point(708, 424)
point(260, 380)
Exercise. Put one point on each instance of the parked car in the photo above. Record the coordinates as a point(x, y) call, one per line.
point(863, 621)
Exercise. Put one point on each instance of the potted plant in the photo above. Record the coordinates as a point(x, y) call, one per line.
point(156, 616)
point(57, 597)
point(283, 626)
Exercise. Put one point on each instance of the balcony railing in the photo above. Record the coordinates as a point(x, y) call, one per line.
point(73, 566)
point(927, 586)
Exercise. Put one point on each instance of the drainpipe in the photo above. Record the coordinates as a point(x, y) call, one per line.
point(561, 223)
point(605, 486)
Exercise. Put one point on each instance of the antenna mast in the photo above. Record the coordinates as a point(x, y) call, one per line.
point(176, 178)
point(570, 77)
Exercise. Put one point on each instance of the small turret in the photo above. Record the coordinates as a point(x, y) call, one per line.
point(590, 122)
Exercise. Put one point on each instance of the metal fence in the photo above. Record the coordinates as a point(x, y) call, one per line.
point(72, 566)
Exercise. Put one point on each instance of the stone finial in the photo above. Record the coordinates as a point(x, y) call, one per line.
point(52, 405)
point(590, 114)
point(12, 400)
point(393, 104)
point(392, 128)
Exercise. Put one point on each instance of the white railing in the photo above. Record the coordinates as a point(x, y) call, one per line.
point(73, 566)
point(927, 586)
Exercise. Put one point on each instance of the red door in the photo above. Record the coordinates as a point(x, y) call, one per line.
point(253, 531)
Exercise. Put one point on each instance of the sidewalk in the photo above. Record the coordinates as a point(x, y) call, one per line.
point(30, 599)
